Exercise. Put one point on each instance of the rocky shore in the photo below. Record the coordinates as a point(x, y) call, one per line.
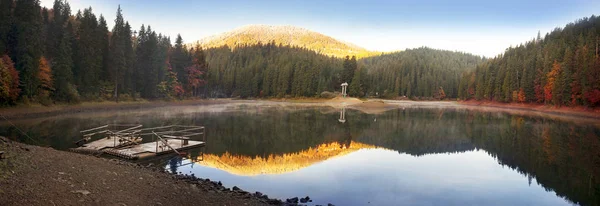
point(32, 175)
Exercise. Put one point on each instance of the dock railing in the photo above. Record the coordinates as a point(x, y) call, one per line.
point(124, 133)
point(176, 132)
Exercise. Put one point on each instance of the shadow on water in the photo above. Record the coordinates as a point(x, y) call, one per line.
point(252, 146)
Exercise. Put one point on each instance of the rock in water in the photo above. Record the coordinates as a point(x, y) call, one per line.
point(292, 200)
point(304, 200)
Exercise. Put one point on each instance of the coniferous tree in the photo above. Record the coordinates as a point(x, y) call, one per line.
point(118, 51)
point(6, 22)
point(25, 44)
point(89, 62)
point(62, 73)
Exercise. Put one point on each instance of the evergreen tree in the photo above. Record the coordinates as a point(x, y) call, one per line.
point(180, 59)
point(6, 22)
point(62, 73)
point(88, 64)
point(120, 50)
point(25, 42)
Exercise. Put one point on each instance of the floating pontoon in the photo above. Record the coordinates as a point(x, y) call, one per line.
point(126, 141)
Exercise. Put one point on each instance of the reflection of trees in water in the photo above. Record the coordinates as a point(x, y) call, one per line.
point(563, 157)
point(174, 163)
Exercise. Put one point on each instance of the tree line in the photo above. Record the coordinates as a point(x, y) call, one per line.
point(50, 55)
point(561, 69)
point(60, 57)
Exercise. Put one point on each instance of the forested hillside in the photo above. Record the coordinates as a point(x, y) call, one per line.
point(270, 70)
point(421, 72)
point(562, 69)
point(49, 55)
point(286, 36)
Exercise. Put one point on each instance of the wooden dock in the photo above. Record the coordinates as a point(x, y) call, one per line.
point(127, 143)
point(138, 151)
point(150, 149)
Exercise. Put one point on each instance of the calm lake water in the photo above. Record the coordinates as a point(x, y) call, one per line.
point(404, 156)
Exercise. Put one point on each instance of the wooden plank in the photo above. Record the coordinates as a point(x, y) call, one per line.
point(84, 131)
point(149, 148)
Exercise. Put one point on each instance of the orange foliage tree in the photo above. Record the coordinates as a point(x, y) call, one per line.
point(45, 78)
point(521, 96)
point(9, 84)
point(551, 80)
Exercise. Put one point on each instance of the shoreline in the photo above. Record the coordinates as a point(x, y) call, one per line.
point(33, 175)
point(364, 105)
point(566, 111)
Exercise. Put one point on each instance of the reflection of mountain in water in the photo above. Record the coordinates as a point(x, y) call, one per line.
point(278, 164)
point(562, 157)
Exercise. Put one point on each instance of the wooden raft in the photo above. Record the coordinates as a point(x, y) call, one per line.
point(127, 143)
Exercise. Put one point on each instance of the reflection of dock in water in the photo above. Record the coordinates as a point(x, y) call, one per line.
point(126, 143)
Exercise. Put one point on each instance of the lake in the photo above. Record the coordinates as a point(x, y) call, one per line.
point(402, 156)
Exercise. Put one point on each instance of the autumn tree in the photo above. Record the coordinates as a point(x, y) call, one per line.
point(550, 89)
point(170, 87)
point(521, 96)
point(9, 86)
point(46, 83)
point(195, 73)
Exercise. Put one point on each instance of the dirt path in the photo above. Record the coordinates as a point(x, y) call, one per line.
point(31, 175)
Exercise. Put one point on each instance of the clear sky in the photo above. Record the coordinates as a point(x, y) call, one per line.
point(480, 27)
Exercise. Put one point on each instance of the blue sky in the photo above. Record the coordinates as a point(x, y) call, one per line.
point(479, 27)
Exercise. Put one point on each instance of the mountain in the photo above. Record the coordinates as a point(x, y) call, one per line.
point(285, 35)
